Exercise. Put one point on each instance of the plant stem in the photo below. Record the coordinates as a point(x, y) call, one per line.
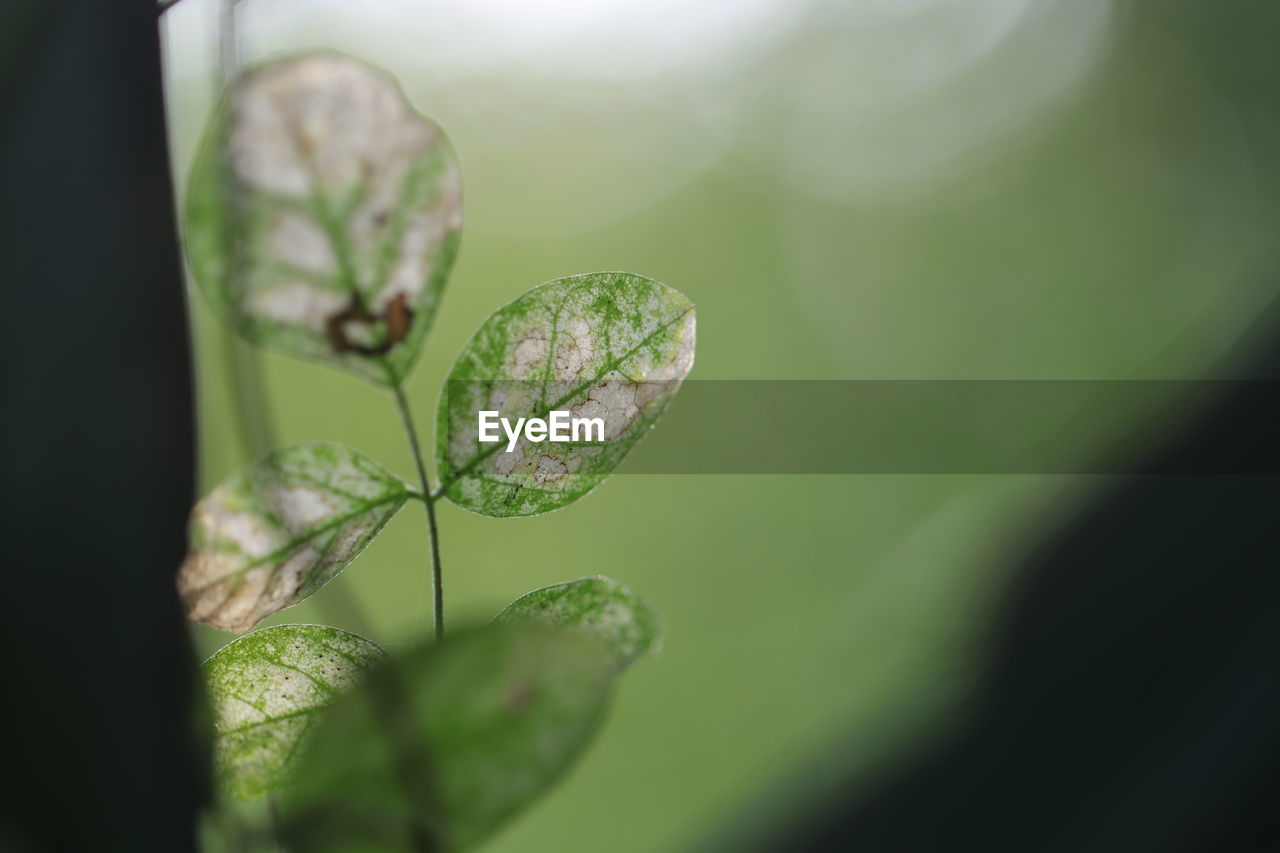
point(428, 502)
point(253, 415)
point(273, 813)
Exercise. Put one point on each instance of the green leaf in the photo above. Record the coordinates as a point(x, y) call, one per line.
point(323, 214)
point(623, 621)
point(609, 345)
point(438, 748)
point(268, 690)
point(279, 530)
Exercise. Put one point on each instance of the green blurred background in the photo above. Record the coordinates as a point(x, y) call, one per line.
point(865, 189)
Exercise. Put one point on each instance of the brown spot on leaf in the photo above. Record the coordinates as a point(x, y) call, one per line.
point(399, 319)
point(335, 325)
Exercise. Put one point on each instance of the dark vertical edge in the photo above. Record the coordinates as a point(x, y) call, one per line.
point(101, 700)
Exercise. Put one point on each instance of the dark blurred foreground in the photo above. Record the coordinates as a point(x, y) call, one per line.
point(99, 684)
point(1129, 703)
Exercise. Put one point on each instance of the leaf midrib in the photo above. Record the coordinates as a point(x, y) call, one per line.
point(303, 538)
point(611, 364)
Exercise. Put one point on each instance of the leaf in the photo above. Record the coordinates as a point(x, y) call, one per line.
point(439, 748)
point(268, 690)
point(623, 621)
point(323, 214)
point(611, 345)
point(279, 530)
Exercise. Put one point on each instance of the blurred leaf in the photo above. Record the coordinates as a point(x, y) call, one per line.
point(268, 690)
point(623, 621)
point(324, 213)
point(437, 749)
point(607, 345)
point(280, 529)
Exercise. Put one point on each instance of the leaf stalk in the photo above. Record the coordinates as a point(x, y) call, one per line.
point(428, 498)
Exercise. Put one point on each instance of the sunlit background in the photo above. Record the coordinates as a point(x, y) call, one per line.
point(860, 189)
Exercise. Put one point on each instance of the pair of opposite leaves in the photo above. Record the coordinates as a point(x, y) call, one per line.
point(322, 219)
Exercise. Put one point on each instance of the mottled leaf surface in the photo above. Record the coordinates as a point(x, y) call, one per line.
point(623, 621)
point(323, 214)
point(440, 747)
point(608, 345)
point(280, 529)
point(268, 690)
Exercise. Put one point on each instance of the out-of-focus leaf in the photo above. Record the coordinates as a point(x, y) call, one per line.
point(323, 214)
point(280, 529)
point(607, 345)
point(268, 690)
point(623, 621)
point(438, 748)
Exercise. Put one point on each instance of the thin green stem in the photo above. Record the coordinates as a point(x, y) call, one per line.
point(273, 814)
point(429, 503)
point(253, 415)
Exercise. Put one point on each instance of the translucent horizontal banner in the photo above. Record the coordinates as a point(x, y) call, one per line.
point(856, 426)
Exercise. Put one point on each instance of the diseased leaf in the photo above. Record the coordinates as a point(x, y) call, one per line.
point(623, 621)
point(324, 213)
point(440, 747)
point(280, 529)
point(268, 690)
point(611, 345)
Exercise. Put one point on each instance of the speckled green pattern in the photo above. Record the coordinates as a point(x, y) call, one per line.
point(268, 690)
point(623, 621)
point(280, 529)
point(323, 214)
point(448, 742)
point(611, 345)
